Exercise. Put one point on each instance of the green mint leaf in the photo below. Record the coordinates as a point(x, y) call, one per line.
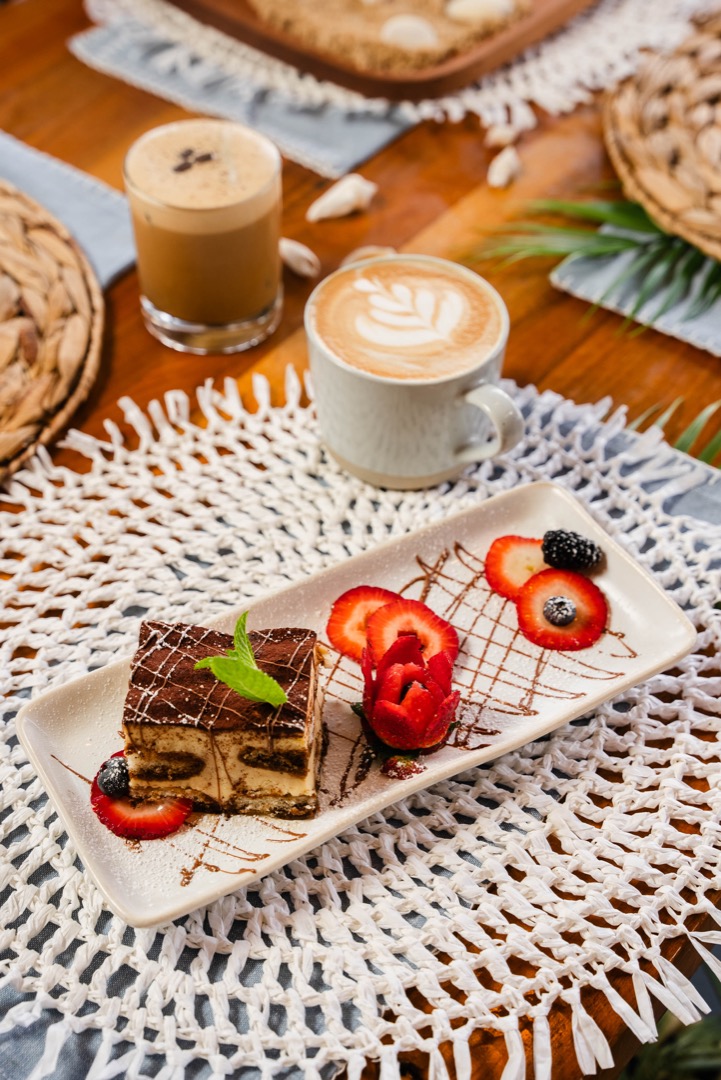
point(241, 642)
point(249, 682)
point(239, 670)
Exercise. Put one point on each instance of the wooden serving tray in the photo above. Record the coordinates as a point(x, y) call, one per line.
point(235, 17)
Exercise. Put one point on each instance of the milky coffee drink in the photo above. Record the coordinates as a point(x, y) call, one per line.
point(408, 318)
point(206, 197)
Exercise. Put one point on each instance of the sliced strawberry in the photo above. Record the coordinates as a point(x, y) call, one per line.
point(349, 615)
point(511, 561)
point(411, 617)
point(139, 819)
point(560, 609)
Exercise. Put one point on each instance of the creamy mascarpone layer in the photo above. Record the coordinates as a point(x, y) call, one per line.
point(223, 777)
point(223, 773)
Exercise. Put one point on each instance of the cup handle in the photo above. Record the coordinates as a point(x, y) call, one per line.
point(504, 416)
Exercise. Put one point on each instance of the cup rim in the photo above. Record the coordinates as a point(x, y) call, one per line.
point(436, 260)
point(274, 153)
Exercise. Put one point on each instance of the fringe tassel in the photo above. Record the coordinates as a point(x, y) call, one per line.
point(643, 1032)
point(437, 1069)
point(389, 1065)
point(669, 998)
point(355, 1065)
point(709, 958)
point(54, 1041)
point(542, 1049)
point(683, 988)
point(644, 1003)
point(589, 1042)
point(462, 1053)
point(516, 1065)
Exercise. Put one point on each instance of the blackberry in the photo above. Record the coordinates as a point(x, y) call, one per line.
point(113, 778)
point(559, 610)
point(566, 550)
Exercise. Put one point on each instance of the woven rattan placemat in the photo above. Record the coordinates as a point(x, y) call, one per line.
point(487, 902)
point(51, 326)
point(663, 133)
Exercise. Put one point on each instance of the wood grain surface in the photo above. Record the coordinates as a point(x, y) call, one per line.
point(433, 198)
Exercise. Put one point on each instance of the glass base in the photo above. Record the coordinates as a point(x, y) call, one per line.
point(201, 340)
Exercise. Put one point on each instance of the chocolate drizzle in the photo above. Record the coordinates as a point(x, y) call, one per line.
point(498, 668)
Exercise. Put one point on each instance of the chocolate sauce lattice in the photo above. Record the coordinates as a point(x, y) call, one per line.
point(498, 667)
point(501, 675)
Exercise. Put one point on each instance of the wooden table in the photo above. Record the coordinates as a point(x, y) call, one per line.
point(433, 199)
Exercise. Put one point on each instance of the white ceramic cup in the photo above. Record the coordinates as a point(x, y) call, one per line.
point(406, 388)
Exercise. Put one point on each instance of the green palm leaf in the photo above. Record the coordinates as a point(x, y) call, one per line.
point(666, 416)
point(663, 259)
point(557, 243)
point(642, 258)
point(638, 423)
point(692, 432)
point(690, 436)
point(711, 450)
point(689, 264)
point(660, 265)
point(709, 293)
point(622, 214)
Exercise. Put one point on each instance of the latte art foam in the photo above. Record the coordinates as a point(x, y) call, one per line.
point(407, 319)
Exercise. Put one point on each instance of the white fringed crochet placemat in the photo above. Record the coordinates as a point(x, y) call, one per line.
point(152, 44)
point(579, 855)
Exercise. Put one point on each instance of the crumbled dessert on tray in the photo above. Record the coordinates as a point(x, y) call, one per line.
point(200, 722)
point(393, 36)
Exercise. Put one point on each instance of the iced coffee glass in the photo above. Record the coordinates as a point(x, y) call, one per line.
point(205, 197)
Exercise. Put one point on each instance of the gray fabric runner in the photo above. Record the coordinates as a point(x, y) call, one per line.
point(324, 137)
point(95, 214)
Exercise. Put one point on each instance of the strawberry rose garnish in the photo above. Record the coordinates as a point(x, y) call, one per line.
point(408, 702)
point(407, 654)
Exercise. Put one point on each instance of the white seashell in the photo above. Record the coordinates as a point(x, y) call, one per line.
point(408, 32)
point(299, 258)
point(501, 135)
point(369, 251)
point(478, 11)
point(351, 193)
point(504, 168)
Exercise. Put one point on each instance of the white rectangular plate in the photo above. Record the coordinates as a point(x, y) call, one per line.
point(512, 692)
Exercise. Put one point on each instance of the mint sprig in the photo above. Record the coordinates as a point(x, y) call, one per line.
point(238, 670)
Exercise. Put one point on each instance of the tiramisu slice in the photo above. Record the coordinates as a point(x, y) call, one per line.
point(189, 734)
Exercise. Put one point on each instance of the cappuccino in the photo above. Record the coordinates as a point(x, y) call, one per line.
point(408, 317)
point(205, 197)
point(405, 352)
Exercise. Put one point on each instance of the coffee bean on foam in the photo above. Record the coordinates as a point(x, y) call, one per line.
point(407, 319)
point(205, 197)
